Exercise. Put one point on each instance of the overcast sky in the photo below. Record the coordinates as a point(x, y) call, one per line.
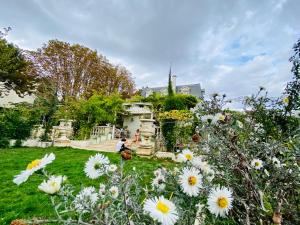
point(229, 46)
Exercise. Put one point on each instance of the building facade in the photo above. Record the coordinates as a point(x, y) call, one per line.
point(190, 89)
point(134, 112)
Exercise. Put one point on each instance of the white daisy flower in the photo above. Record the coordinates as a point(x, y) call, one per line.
point(112, 168)
point(96, 166)
point(286, 100)
point(114, 191)
point(161, 210)
point(190, 180)
point(276, 162)
point(185, 155)
point(52, 185)
point(159, 183)
point(33, 167)
point(220, 201)
point(85, 200)
point(257, 164)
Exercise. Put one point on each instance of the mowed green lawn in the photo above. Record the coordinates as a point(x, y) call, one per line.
point(26, 201)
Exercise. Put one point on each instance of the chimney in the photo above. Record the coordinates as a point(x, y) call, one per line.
point(173, 80)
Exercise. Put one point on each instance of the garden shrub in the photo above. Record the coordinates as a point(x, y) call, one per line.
point(87, 113)
point(174, 103)
point(189, 101)
point(16, 123)
point(174, 107)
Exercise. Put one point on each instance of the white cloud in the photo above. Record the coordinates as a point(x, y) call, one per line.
point(229, 46)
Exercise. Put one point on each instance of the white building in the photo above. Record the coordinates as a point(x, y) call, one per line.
point(133, 113)
point(11, 97)
point(191, 89)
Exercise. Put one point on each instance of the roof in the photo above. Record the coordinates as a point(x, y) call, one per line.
point(196, 89)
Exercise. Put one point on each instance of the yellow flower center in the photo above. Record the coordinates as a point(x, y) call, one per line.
point(53, 184)
point(33, 164)
point(188, 156)
point(257, 164)
point(223, 202)
point(192, 180)
point(286, 100)
point(162, 207)
point(221, 117)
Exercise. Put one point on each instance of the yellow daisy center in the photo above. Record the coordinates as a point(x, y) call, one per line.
point(192, 180)
point(257, 164)
point(223, 202)
point(286, 100)
point(53, 184)
point(162, 207)
point(221, 117)
point(33, 164)
point(188, 156)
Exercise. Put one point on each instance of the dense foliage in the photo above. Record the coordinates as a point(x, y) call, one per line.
point(77, 71)
point(86, 113)
point(175, 103)
point(15, 70)
point(16, 123)
point(256, 156)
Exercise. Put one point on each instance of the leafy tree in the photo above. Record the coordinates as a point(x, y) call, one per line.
point(4, 32)
point(77, 71)
point(157, 100)
point(46, 103)
point(293, 87)
point(97, 110)
point(15, 70)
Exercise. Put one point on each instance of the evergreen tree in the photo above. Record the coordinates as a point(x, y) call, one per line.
point(170, 88)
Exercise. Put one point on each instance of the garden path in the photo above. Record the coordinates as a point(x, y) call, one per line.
point(105, 146)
